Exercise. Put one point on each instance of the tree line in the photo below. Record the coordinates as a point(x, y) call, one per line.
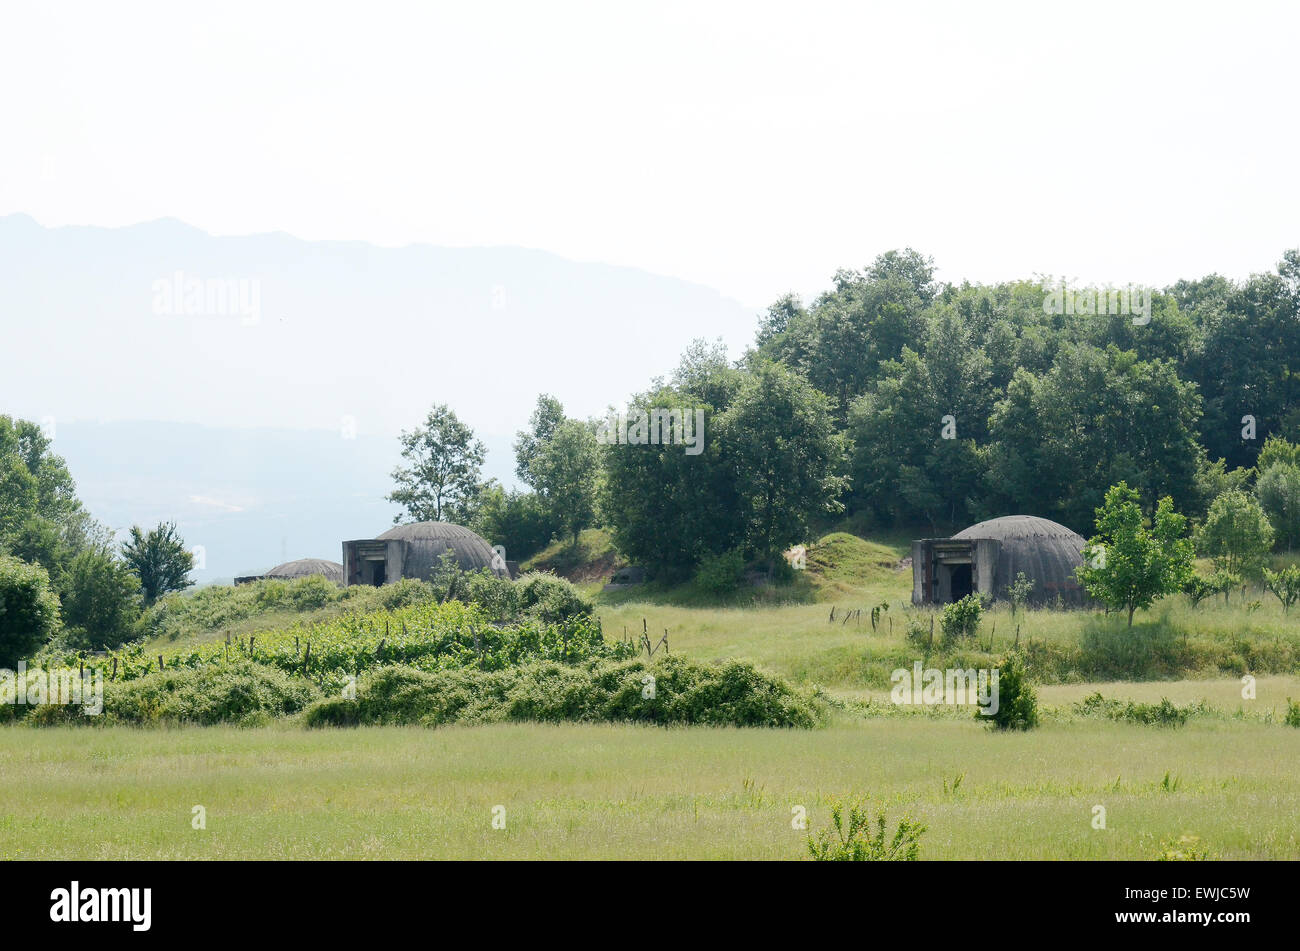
point(897, 401)
point(61, 575)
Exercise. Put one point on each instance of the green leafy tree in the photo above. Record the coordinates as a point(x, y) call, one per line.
point(1247, 364)
point(1197, 589)
point(159, 559)
point(1224, 582)
point(546, 418)
point(101, 600)
point(705, 375)
point(1128, 565)
point(914, 437)
point(1059, 440)
point(516, 520)
point(841, 342)
point(1237, 534)
point(1214, 478)
point(565, 472)
point(41, 519)
point(781, 448)
point(665, 509)
point(29, 610)
point(1277, 450)
point(1284, 584)
point(1278, 491)
point(441, 480)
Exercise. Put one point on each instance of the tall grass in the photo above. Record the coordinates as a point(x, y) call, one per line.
point(629, 792)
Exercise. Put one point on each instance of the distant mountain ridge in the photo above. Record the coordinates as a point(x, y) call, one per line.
point(342, 329)
point(256, 360)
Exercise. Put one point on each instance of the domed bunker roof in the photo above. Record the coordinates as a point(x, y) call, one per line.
point(426, 542)
point(1018, 526)
point(308, 566)
point(1047, 552)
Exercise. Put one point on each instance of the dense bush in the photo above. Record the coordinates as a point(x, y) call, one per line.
point(1017, 701)
point(1110, 652)
point(29, 610)
point(1164, 713)
point(239, 692)
point(389, 597)
point(961, 619)
point(721, 574)
point(550, 598)
point(498, 597)
point(543, 597)
point(673, 691)
point(218, 606)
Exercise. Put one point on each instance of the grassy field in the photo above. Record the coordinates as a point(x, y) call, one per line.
point(625, 792)
point(1228, 777)
point(801, 642)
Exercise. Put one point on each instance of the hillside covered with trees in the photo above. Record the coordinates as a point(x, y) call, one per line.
point(894, 401)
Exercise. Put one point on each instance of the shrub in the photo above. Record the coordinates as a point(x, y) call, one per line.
point(1285, 585)
point(673, 691)
point(961, 619)
point(1017, 701)
point(217, 606)
point(849, 837)
point(1108, 651)
point(29, 610)
point(721, 574)
point(240, 692)
point(311, 592)
point(498, 597)
point(1186, 848)
point(1164, 713)
point(550, 598)
point(390, 597)
point(920, 632)
point(269, 594)
point(1018, 592)
point(1292, 713)
point(1222, 582)
point(1197, 589)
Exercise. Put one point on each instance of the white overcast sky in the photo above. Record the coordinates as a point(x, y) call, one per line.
point(753, 148)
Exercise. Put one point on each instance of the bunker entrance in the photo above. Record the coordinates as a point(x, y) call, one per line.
point(961, 582)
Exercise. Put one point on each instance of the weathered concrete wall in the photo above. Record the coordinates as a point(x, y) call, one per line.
point(984, 568)
point(920, 565)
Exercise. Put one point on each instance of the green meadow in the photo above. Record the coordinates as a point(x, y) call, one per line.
point(630, 792)
point(1225, 780)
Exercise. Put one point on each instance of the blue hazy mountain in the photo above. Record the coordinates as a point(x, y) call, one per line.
point(252, 388)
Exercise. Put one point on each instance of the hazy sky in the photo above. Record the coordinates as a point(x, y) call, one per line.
point(748, 147)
